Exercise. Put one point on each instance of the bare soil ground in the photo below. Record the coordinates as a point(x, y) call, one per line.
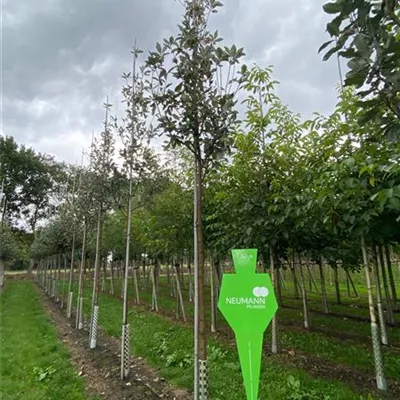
point(100, 367)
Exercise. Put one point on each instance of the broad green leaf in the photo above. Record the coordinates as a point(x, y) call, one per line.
point(333, 8)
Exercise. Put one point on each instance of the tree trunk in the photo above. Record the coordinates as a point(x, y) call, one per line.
point(57, 282)
point(63, 282)
point(200, 331)
point(190, 282)
point(71, 278)
point(179, 292)
point(381, 314)
point(112, 289)
point(295, 282)
point(136, 285)
point(218, 271)
point(352, 284)
point(275, 331)
point(168, 275)
point(172, 282)
point(337, 287)
point(2, 272)
point(154, 298)
point(282, 276)
point(307, 322)
point(381, 262)
point(323, 288)
point(278, 278)
point(311, 277)
point(388, 265)
point(79, 309)
point(380, 378)
point(144, 273)
point(95, 292)
point(104, 280)
point(213, 303)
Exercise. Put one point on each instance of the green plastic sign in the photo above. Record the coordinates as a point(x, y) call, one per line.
point(247, 301)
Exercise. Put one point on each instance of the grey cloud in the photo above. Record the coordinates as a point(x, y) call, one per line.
point(62, 57)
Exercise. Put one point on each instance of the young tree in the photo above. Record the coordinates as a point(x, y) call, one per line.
point(193, 82)
point(103, 170)
point(135, 134)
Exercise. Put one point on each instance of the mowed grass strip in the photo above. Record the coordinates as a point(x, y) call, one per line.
point(34, 364)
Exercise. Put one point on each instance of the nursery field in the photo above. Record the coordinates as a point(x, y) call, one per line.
point(214, 243)
point(332, 359)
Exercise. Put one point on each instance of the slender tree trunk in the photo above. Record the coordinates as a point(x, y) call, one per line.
point(337, 287)
point(190, 283)
point(200, 329)
point(380, 378)
point(104, 280)
point(112, 289)
point(136, 285)
point(2, 272)
point(381, 314)
point(381, 262)
point(79, 307)
point(168, 275)
point(275, 330)
point(63, 283)
point(154, 299)
point(388, 265)
point(295, 282)
point(94, 315)
point(278, 273)
point(71, 278)
point(57, 281)
point(311, 277)
point(144, 273)
point(352, 284)
point(307, 323)
point(172, 281)
point(213, 303)
point(323, 288)
point(179, 292)
point(282, 276)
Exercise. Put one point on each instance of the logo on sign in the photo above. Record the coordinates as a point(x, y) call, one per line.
point(260, 291)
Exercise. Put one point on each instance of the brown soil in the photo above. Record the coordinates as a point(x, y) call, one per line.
point(100, 367)
point(357, 318)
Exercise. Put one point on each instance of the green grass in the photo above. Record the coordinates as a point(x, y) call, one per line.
point(168, 346)
point(349, 353)
point(34, 363)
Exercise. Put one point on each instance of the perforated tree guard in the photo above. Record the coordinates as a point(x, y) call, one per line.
point(93, 330)
point(125, 353)
point(69, 304)
point(80, 313)
point(203, 380)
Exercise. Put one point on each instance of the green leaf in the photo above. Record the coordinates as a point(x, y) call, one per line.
point(326, 44)
point(329, 54)
point(350, 162)
point(333, 8)
point(333, 27)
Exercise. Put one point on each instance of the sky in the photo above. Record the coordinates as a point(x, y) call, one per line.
point(62, 58)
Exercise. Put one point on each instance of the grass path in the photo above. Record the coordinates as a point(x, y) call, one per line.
point(34, 365)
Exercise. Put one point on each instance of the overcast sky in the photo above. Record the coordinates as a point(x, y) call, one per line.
point(61, 58)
